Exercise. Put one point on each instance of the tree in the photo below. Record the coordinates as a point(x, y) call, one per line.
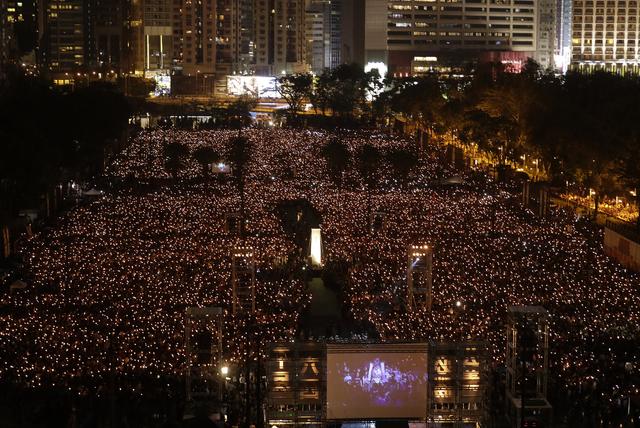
point(239, 154)
point(175, 154)
point(338, 158)
point(369, 162)
point(420, 101)
point(491, 134)
point(294, 88)
point(513, 100)
point(205, 156)
point(628, 169)
point(239, 112)
point(402, 161)
point(49, 136)
point(321, 92)
point(136, 86)
point(347, 88)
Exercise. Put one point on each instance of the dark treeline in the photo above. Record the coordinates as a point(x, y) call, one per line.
point(581, 131)
point(49, 137)
point(343, 94)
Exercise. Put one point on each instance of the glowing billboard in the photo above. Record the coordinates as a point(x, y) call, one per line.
point(255, 86)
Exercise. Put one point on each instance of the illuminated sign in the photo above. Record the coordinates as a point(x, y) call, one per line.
point(316, 247)
point(254, 86)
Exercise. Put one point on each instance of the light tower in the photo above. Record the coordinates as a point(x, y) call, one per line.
point(316, 253)
point(419, 276)
point(203, 349)
point(527, 363)
point(243, 279)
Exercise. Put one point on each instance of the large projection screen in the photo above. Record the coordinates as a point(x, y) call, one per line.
point(385, 381)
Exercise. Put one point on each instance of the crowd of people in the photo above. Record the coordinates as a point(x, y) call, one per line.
point(109, 284)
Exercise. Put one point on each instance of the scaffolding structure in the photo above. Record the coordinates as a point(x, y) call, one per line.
point(203, 348)
point(527, 364)
point(296, 385)
point(243, 280)
point(458, 384)
point(419, 277)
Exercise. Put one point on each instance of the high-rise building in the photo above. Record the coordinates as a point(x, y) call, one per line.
point(106, 36)
point(279, 36)
point(352, 31)
point(563, 34)
point(335, 33)
point(228, 36)
point(323, 34)
point(18, 29)
point(82, 36)
point(157, 33)
point(246, 34)
point(605, 36)
point(63, 36)
point(416, 36)
point(194, 28)
point(5, 34)
point(317, 38)
point(546, 33)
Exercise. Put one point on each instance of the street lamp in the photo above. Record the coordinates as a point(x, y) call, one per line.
point(224, 370)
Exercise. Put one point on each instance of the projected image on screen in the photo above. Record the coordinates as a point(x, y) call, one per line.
point(376, 385)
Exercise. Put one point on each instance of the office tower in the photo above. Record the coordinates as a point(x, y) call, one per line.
point(335, 33)
point(352, 31)
point(605, 36)
point(317, 49)
point(81, 36)
point(106, 35)
point(63, 36)
point(377, 18)
point(417, 36)
point(157, 33)
point(323, 34)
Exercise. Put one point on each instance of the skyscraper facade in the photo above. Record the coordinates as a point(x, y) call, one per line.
point(605, 36)
point(563, 34)
point(18, 29)
point(279, 36)
point(63, 36)
point(546, 33)
point(323, 34)
point(5, 33)
point(105, 41)
point(194, 42)
point(417, 36)
point(317, 49)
